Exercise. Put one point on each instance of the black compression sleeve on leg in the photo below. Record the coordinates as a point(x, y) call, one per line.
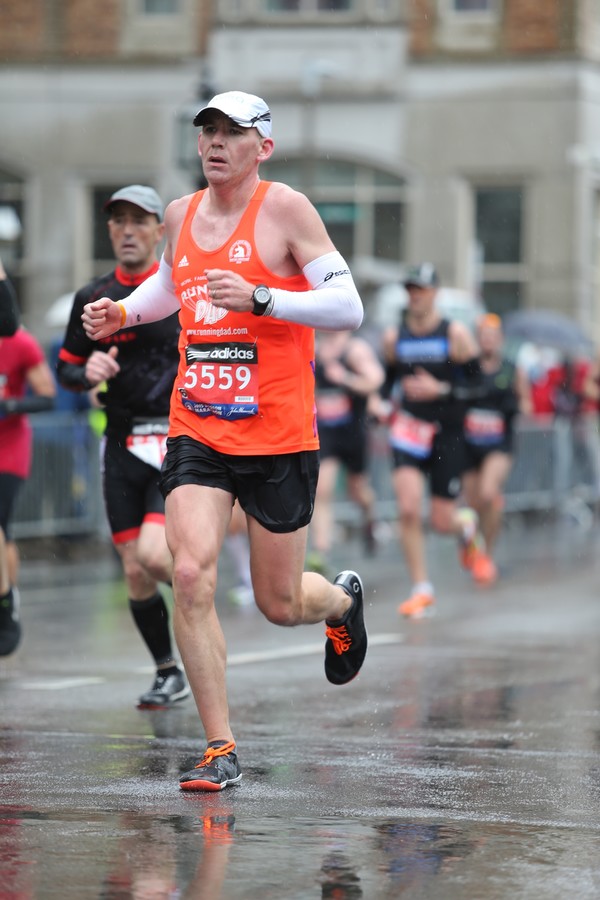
point(152, 620)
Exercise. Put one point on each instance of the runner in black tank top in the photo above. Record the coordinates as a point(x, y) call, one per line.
point(489, 422)
point(432, 367)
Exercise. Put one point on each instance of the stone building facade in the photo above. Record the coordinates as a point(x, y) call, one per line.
point(462, 131)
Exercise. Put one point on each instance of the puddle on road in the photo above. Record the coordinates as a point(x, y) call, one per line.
point(218, 855)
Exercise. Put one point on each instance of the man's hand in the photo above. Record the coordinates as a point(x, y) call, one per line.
point(337, 373)
point(229, 290)
point(421, 387)
point(102, 366)
point(101, 318)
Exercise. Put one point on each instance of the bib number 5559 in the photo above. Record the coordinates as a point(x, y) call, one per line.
point(208, 376)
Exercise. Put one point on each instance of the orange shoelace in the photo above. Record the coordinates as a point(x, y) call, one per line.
point(340, 638)
point(211, 752)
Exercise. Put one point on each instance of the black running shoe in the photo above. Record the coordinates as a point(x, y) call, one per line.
point(218, 768)
point(346, 644)
point(10, 626)
point(166, 690)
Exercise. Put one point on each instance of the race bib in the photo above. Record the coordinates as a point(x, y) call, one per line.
point(221, 380)
point(484, 427)
point(148, 441)
point(411, 435)
point(333, 407)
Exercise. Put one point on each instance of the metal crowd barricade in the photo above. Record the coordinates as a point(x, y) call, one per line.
point(556, 465)
point(556, 469)
point(62, 496)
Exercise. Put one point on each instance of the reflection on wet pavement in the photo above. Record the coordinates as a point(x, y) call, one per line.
point(130, 856)
point(464, 762)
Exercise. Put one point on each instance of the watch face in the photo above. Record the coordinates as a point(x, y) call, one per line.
point(262, 294)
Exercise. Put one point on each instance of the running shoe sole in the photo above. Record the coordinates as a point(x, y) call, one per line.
point(199, 785)
point(164, 704)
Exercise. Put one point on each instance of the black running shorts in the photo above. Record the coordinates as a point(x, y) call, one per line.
point(278, 491)
point(346, 443)
point(444, 467)
point(131, 490)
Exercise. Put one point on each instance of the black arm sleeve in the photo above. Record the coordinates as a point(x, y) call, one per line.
point(386, 389)
point(467, 380)
point(9, 313)
point(33, 404)
point(72, 377)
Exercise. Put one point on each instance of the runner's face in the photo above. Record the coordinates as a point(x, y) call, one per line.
point(490, 339)
point(420, 300)
point(228, 151)
point(134, 235)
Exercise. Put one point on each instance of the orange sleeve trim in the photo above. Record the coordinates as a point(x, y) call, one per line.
point(123, 312)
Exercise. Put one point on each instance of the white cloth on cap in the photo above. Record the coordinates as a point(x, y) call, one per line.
point(246, 110)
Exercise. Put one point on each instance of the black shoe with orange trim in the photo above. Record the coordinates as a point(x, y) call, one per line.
point(218, 768)
point(346, 644)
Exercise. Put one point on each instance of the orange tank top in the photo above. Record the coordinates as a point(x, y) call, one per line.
point(245, 383)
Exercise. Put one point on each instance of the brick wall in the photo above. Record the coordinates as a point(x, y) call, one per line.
point(91, 28)
point(79, 30)
point(524, 27)
point(538, 26)
point(422, 23)
point(22, 31)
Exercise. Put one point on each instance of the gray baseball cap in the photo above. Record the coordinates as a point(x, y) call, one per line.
point(424, 276)
point(140, 195)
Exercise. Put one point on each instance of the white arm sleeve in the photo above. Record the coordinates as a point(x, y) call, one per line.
point(334, 304)
point(153, 299)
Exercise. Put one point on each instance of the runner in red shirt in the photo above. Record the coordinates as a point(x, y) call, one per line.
point(26, 386)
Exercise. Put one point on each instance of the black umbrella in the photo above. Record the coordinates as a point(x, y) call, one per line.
point(550, 329)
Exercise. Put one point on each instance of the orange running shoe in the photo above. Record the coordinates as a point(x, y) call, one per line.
point(484, 569)
point(417, 606)
point(471, 540)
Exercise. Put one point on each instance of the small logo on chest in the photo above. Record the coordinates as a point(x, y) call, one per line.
point(240, 252)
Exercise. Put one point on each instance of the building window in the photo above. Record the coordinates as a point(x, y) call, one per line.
point(160, 7)
point(309, 7)
point(499, 239)
point(363, 208)
point(486, 6)
point(102, 250)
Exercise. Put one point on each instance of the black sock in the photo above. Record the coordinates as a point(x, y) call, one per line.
point(152, 619)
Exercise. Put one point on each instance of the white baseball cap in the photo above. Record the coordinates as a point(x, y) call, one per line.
point(246, 110)
point(140, 195)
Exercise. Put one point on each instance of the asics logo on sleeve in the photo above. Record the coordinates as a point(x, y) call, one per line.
point(331, 275)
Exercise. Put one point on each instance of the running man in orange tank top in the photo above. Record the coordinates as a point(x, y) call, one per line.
point(253, 272)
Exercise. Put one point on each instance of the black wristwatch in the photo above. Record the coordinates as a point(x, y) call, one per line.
point(262, 300)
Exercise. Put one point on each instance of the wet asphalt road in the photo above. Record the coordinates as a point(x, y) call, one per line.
point(464, 762)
